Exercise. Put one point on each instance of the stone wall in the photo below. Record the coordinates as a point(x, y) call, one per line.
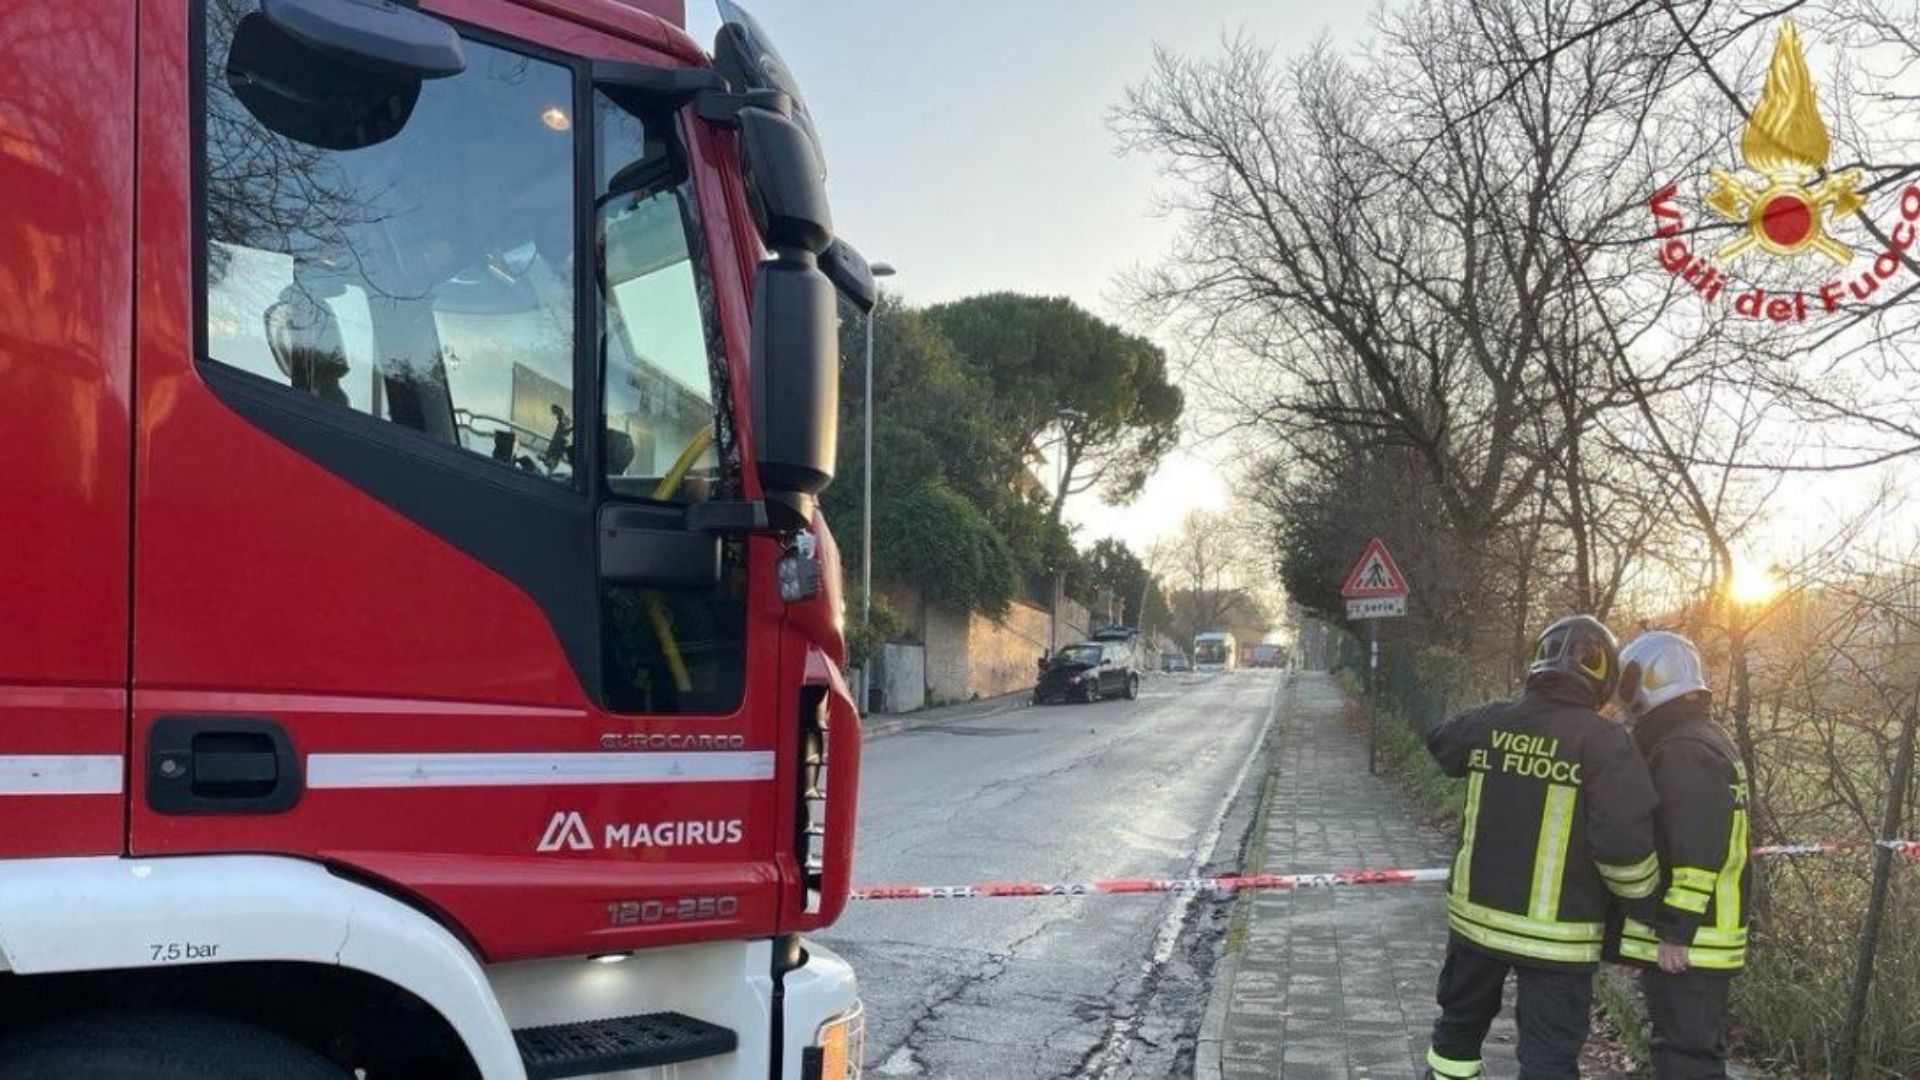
point(945, 635)
point(972, 656)
point(901, 676)
point(1003, 656)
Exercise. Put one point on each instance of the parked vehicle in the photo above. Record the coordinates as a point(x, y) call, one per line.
point(418, 638)
point(1087, 672)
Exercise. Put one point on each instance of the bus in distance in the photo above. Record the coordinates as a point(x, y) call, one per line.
point(1215, 650)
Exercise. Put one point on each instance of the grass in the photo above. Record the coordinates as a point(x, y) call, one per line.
point(1256, 861)
point(1617, 994)
point(1404, 756)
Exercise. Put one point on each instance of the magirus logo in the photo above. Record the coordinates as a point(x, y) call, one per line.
point(1787, 204)
point(567, 831)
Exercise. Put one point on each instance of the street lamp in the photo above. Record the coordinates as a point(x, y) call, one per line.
point(879, 270)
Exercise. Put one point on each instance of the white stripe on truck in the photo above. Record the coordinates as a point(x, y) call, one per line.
point(534, 770)
point(61, 774)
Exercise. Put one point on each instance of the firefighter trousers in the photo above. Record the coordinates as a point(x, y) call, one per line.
point(1551, 1008)
point(1689, 1017)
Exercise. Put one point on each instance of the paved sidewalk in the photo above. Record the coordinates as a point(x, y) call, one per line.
point(1335, 982)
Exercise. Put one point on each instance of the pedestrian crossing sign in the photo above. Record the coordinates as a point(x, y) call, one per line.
point(1375, 576)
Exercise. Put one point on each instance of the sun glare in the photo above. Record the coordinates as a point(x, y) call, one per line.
point(1753, 582)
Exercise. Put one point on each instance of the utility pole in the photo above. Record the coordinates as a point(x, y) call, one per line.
point(879, 270)
point(1066, 417)
point(1146, 580)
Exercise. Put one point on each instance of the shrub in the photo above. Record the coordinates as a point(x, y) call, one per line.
point(938, 540)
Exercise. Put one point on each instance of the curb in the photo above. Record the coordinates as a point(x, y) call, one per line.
point(872, 727)
point(1208, 1046)
point(879, 727)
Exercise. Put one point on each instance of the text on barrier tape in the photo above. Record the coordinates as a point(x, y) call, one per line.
point(1909, 849)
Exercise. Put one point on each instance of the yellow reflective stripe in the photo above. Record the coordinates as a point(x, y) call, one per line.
point(1727, 895)
point(1631, 881)
point(1687, 900)
point(1692, 877)
point(1516, 945)
point(1450, 1068)
point(1550, 854)
point(1705, 937)
point(1463, 862)
point(1586, 933)
point(1716, 960)
point(1648, 951)
point(1633, 890)
point(1631, 874)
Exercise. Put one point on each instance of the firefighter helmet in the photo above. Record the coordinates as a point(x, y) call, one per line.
point(1582, 648)
point(1658, 667)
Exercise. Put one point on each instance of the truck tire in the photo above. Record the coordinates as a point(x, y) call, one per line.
point(158, 1046)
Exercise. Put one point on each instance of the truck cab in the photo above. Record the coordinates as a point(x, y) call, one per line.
point(421, 646)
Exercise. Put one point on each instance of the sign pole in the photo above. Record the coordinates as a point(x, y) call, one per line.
point(1373, 692)
point(1375, 590)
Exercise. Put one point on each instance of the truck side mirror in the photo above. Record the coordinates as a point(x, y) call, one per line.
point(795, 385)
point(848, 270)
point(385, 38)
point(339, 76)
point(795, 356)
point(785, 183)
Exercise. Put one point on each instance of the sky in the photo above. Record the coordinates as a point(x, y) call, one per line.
point(967, 145)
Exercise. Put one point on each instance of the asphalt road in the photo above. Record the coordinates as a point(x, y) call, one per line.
point(1098, 986)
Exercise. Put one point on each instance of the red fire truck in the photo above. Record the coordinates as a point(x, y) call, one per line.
point(418, 642)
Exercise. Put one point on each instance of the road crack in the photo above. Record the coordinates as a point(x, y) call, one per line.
point(904, 1060)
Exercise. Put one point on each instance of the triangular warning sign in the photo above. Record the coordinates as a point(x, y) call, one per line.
point(1375, 575)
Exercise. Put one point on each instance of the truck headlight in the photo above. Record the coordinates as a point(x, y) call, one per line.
point(839, 1046)
point(798, 576)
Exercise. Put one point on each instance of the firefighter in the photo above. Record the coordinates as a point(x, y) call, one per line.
point(1558, 817)
point(1692, 940)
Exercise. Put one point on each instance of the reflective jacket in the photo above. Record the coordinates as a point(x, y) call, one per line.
point(1559, 816)
point(1701, 830)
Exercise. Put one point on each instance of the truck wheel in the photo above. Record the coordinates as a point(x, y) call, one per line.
point(1133, 687)
point(158, 1046)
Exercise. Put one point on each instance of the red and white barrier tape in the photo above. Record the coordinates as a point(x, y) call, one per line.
point(1909, 848)
point(994, 890)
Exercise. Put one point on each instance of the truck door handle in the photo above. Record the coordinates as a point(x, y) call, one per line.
point(221, 765)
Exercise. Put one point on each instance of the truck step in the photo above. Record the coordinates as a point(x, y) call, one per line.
point(624, 1042)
